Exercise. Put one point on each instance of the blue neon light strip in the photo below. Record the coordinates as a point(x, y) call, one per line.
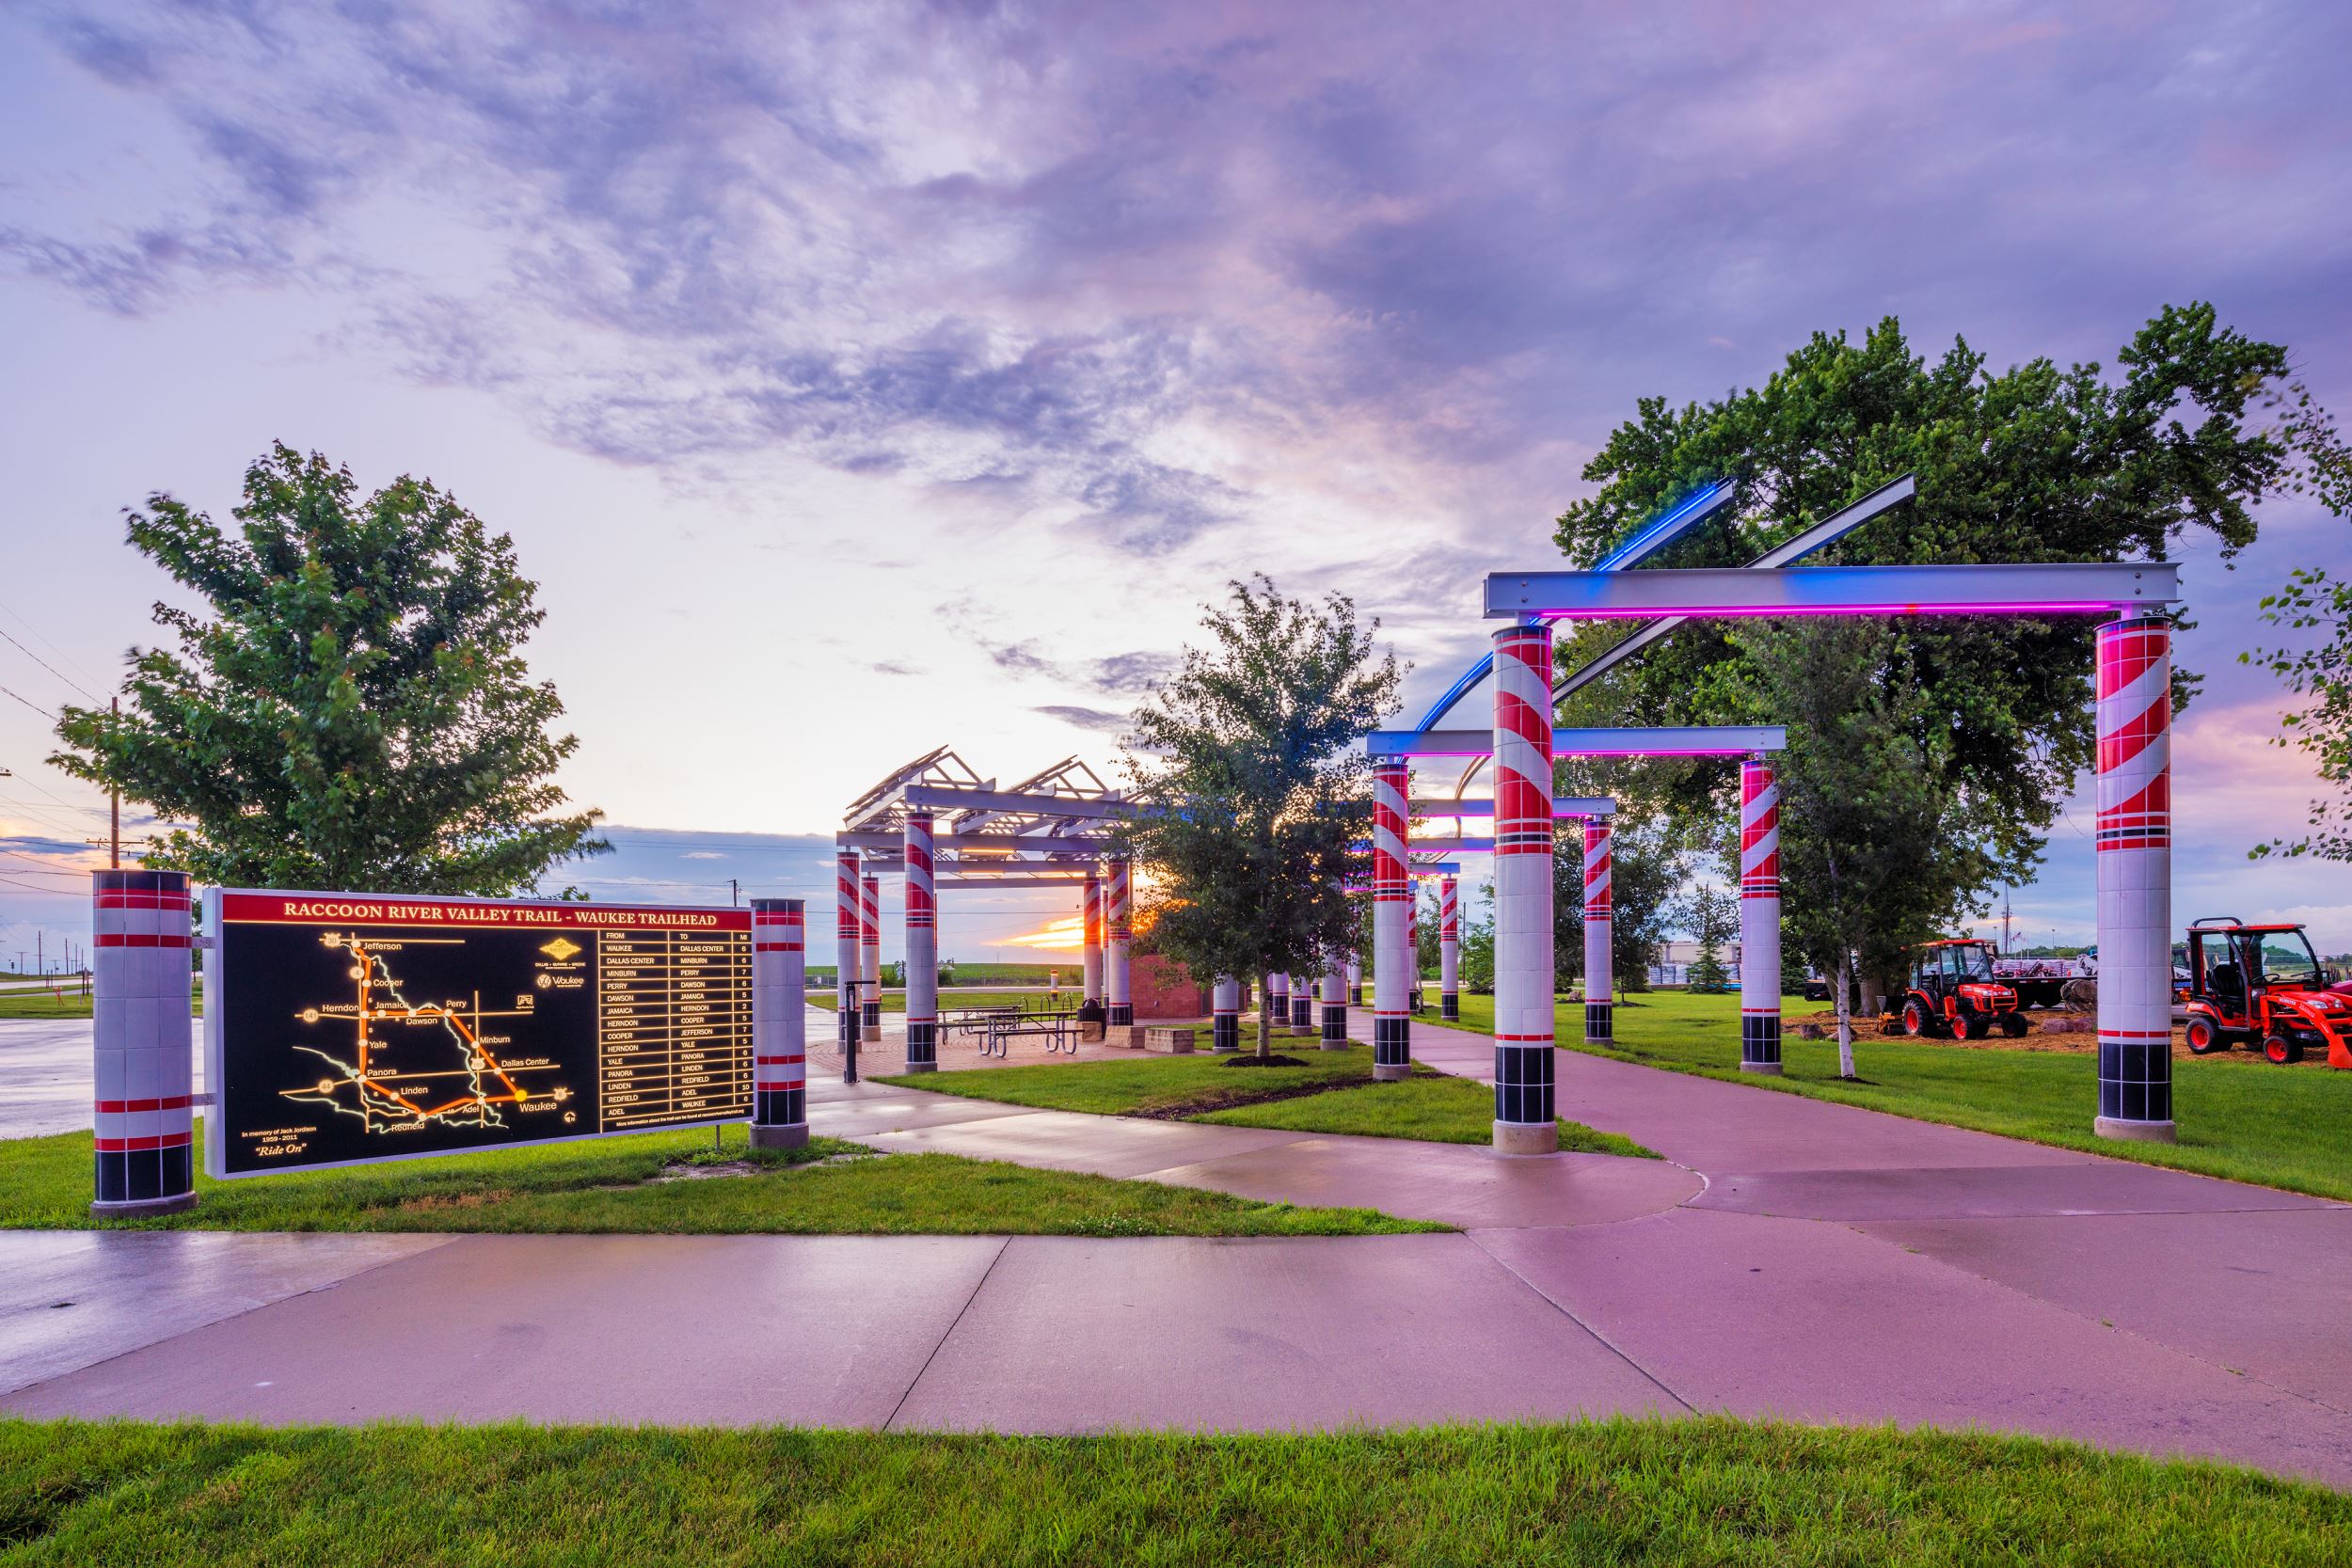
point(1678, 521)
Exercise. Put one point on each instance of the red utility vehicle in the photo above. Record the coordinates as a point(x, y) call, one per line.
point(2262, 983)
point(1953, 992)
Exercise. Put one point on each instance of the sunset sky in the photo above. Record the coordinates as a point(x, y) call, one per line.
point(860, 379)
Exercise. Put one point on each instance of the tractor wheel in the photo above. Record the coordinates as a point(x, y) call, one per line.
point(2205, 1039)
point(1916, 1020)
point(1975, 1026)
point(2282, 1048)
point(2013, 1025)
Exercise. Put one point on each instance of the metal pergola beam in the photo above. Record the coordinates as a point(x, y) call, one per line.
point(1820, 535)
point(1566, 805)
point(922, 797)
point(967, 843)
point(1706, 740)
point(946, 881)
point(2042, 589)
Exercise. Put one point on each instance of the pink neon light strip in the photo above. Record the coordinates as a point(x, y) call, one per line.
point(1981, 607)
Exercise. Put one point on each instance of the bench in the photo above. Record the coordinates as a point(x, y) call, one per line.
point(1166, 1038)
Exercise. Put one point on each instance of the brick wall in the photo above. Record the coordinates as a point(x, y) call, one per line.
point(1162, 989)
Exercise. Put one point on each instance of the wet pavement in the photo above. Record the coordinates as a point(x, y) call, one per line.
point(1788, 1258)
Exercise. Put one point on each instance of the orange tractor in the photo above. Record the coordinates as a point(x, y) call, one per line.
point(2262, 983)
point(1953, 992)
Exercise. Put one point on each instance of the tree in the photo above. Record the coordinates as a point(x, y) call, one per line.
point(2033, 464)
point(1868, 828)
point(1712, 917)
point(1644, 868)
point(1478, 946)
point(353, 713)
point(1249, 758)
point(2313, 598)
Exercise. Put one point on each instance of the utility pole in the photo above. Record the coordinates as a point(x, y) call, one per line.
point(114, 805)
point(735, 890)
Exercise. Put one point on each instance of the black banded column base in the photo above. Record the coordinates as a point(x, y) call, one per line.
point(1760, 1043)
point(1449, 1005)
point(1354, 996)
point(1119, 1015)
point(1334, 1026)
point(1600, 1023)
point(922, 1046)
point(1225, 1033)
point(779, 1138)
point(1391, 1049)
point(1527, 1137)
point(2135, 1131)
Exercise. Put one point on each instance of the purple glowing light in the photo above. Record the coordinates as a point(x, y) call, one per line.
point(1580, 751)
point(1723, 612)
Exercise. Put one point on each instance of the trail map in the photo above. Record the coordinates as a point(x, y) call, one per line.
point(349, 1027)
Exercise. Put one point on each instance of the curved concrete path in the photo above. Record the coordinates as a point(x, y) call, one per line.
point(1797, 1258)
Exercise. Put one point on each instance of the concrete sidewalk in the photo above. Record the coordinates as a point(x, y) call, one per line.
point(1796, 1259)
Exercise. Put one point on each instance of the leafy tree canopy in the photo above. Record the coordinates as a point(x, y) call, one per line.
point(2032, 464)
point(351, 712)
point(1253, 752)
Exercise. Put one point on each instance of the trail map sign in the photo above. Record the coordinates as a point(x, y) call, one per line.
point(343, 1027)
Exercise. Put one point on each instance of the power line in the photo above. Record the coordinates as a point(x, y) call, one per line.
point(46, 891)
point(46, 640)
point(30, 703)
point(51, 668)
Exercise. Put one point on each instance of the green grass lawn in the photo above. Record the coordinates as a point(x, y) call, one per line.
point(47, 1004)
point(1707, 1491)
point(1434, 1109)
point(1333, 1092)
point(2239, 1116)
point(1147, 1084)
point(611, 1185)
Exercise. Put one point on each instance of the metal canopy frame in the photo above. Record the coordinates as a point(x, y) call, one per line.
point(1565, 806)
point(2042, 589)
point(1703, 740)
point(1042, 832)
point(1820, 536)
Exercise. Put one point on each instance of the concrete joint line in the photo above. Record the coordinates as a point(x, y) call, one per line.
point(1602, 1340)
point(908, 1393)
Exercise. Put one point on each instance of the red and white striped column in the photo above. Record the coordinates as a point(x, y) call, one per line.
point(1600, 981)
point(1449, 949)
point(1523, 948)
point(1118, 1009)
point(2134, 896)
point(869, 957)
point(848, 928)
point(1760, 918)
point(1091, 935)
point(922, 948)
point(1334, 1003)
point(779, 1023)
point(1225, 1014)
point(1391, 904)
point(144, 1131)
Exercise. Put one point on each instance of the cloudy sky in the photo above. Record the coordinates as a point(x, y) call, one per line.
point(859, 380)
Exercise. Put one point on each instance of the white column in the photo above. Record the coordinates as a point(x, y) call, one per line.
point(922, 948)
point(142, 1126)
point(1225, 1014)
point(1355, 980)
point(2135, 895)
point(1760, 918)
point(849, 942)
point(1091, 935)
point(1600, 991)
point(1276, 1004)
point(1449, 949)
point(869, 940)
point(1117, 923)
point(1334, 1003)
point(779, 1023)
point(1391, 897)
point(1525, 1121)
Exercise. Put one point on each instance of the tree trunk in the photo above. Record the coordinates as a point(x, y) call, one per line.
point(1265, 1031)
point(1845, 1014)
